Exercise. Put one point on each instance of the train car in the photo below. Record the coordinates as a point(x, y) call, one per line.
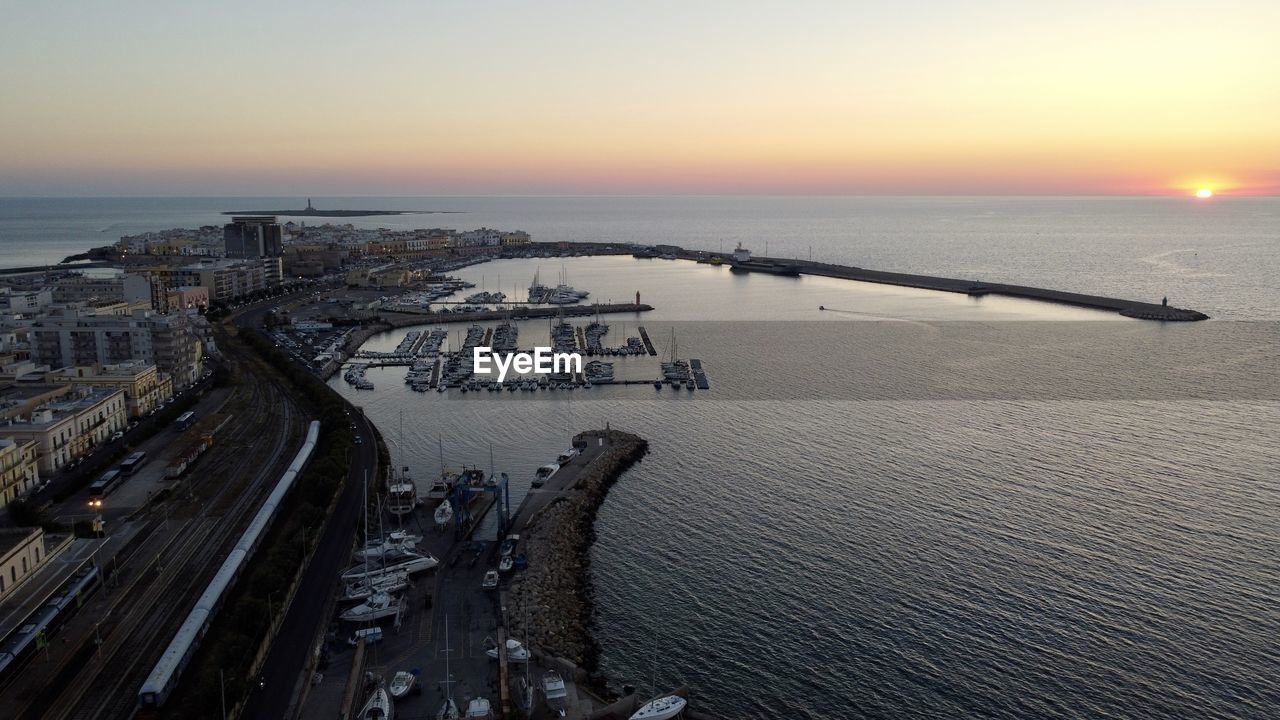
point(39, 628)
point(167, 671)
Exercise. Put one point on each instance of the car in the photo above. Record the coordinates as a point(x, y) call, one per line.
point(490, 581)
point(118, 434)
point(359, 440)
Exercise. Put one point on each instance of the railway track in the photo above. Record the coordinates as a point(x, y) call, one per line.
point(148, 611)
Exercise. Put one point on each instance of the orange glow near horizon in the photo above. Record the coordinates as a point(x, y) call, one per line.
point(991, 98)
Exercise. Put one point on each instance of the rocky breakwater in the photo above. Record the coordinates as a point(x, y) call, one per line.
point(554, 592)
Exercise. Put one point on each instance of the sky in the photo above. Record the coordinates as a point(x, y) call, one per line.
point(490, 98)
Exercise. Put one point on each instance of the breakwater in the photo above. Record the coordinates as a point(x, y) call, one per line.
point(553, 593)
point(976, 288)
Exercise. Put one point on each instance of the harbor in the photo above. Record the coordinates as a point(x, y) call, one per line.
point(498, 625)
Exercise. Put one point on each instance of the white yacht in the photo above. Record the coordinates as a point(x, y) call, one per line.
point(410, 564)
point(382, 548)
point(479, 708)
point(662, 708)
point(402, 684)
point(516, 651)
point(379, 605)
point(554, 691)
point(362, 590)
point(378, 707)
point(544, 474)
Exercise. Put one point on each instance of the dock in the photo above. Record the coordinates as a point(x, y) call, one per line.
point(699, 375)
point(648, 344)
point(403, 316)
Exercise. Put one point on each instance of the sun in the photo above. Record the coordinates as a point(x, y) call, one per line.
point(1204, 193)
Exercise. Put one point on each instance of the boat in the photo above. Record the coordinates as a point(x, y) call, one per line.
point(378, 707)
point(386, 553)
point(566, 456)
point(402, 494)
point(490, 581)
point(553, 690)
point(364, 589)
point(544, 474)
point(402, 684)
point(379, 605)
point(662, 708)
point(382, 548)
point(443, 514)
point(410, 564)
point(506, 564)
point(516, 651)
point(479, 708)
point(449, 708)
point(508, 545)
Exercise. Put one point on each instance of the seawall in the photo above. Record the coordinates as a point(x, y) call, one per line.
point(554, 591)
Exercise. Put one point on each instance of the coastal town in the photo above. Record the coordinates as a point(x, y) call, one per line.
point(196, 517)
point(158, 405)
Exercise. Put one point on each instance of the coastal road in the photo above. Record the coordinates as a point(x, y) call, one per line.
point(282, 674)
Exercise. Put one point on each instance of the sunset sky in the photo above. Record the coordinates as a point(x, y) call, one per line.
point(430, 97)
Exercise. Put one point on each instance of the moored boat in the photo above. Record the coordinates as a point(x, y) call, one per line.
point(377, 707)
point(402, 684)
point(516, 651)
point(379, 605)
point(661, 708)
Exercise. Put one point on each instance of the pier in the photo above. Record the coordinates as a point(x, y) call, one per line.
point(1127, 308)
point(648, 344)
point(699, 375)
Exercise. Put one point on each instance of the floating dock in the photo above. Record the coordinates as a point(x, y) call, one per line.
point(699, 376)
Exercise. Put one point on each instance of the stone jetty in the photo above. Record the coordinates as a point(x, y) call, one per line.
point(554, 592)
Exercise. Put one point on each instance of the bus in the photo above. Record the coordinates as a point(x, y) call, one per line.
point(103, 486)
point(132, 463)
point(185, 419)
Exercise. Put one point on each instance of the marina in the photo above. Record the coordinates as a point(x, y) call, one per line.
point(402, 632)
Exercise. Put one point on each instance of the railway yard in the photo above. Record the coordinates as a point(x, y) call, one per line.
point(161, 551)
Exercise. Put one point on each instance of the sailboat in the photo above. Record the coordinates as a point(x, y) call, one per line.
point(661, 708)
point(363, 589)
point(378, 707)
point(449, 709)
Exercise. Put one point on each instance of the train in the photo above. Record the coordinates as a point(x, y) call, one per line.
point(164, 676)
point(37, 629)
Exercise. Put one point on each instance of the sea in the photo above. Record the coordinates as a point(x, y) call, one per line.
point(904, 504)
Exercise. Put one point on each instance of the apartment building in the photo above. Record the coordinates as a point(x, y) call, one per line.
point(19, 473)
point(143, 385)
point(68, 428)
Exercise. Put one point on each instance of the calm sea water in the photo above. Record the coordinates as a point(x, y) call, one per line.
point(916, 505)
point(1219, 256)
point(912, 504)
